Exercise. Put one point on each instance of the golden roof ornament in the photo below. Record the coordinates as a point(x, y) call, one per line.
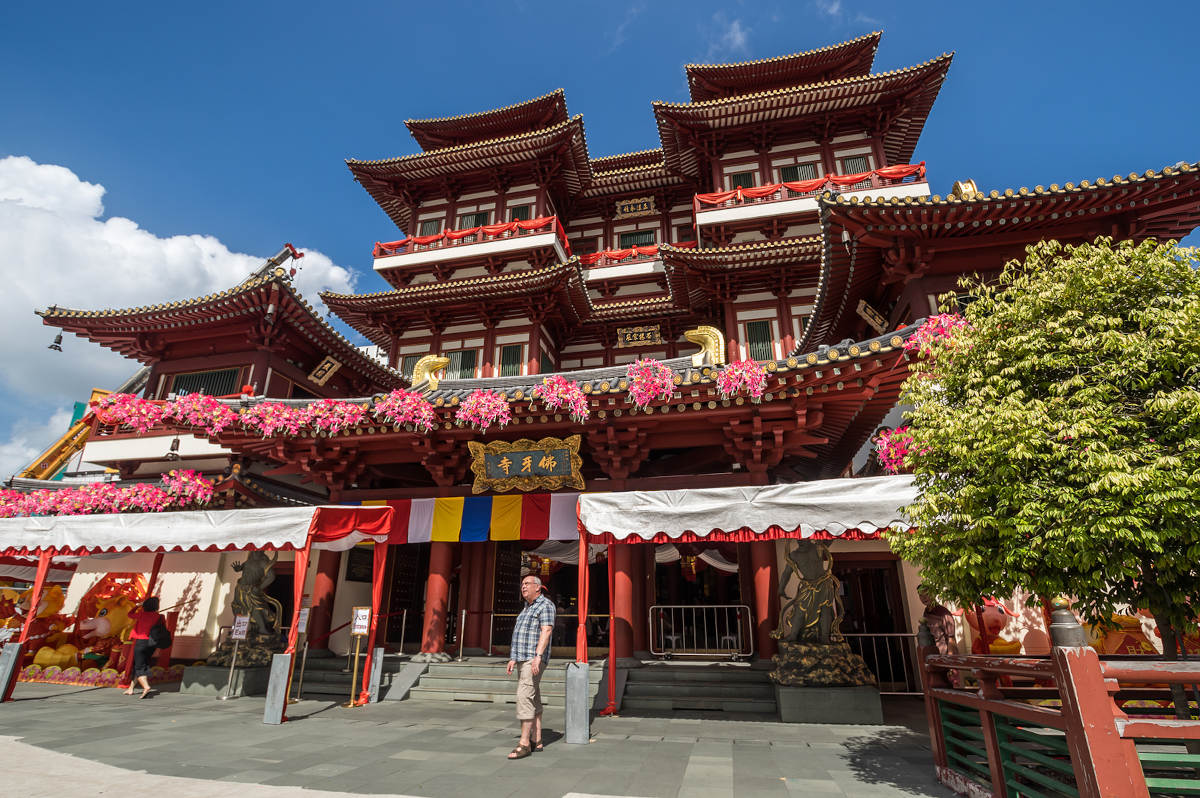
point(712, 346)
point(964, 189)
point(424, 372)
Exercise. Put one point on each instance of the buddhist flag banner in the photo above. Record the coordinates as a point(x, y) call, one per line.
point(477, 519)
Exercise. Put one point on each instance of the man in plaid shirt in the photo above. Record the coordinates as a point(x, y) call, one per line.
point(529, 655)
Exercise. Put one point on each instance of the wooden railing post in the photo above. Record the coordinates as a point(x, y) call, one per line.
point(1106, 765)
point(989, 689)
point(926, 647)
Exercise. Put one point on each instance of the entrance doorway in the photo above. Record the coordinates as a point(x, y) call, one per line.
point(875, 624)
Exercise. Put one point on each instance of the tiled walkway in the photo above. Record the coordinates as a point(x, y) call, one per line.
point(427, 749)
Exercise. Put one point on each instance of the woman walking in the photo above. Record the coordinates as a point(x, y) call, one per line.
point(143, 649)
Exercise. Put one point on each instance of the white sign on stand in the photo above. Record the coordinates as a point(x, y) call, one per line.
point(361, 624)
point(241, 627)
point(302, 621)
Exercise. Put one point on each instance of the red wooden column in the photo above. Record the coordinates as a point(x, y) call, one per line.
point(320, 619)
point(766, 596)
point(640, 608)
point(437, 597)
point(474, 555)
point(622, 600)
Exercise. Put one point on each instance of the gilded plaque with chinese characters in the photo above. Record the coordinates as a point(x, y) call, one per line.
point(526, 465)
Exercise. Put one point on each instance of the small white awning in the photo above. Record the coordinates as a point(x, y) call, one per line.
point(824, 508)
point(215, 530)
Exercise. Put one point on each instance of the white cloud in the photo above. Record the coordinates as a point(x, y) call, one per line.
point(57, 249)
point(830, 8)
point(732, 38)
point(28, 439)
point(621, 32)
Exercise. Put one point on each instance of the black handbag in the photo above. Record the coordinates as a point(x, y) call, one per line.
point(160, 636)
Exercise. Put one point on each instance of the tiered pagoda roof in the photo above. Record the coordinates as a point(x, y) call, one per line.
point(220, 323)
point(392, 181)
point(512, 120)
point(845, 60)
point(902, 97)
point(892, 240)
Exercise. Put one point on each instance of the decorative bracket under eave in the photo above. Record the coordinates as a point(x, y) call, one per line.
point(424, 376)
point(712, 346)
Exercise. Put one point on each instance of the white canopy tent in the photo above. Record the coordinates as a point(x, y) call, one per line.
point(799, 510)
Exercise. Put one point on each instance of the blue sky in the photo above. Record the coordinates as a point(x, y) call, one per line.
point(226, 128)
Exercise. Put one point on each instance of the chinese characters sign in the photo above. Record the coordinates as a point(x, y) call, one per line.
point(324, 370)
point(638, 206)
point(638, 336)
point(525, 465)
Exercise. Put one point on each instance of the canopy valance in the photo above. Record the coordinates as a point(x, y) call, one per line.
point(854, 509)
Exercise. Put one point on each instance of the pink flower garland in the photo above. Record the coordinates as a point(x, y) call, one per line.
point(267, 418)
point(559, 393)
point(201, 410)
point(936, 328)
point(649, 380)
point(741, 375)
point(182, 489)
point(333, 415)
point(128, 409)
point(893, 446)
point(407, 408)
point(481, 409)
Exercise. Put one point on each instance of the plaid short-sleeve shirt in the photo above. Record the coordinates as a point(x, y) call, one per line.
point(528, 628)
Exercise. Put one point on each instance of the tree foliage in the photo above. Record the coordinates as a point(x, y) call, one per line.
point(1056, 436)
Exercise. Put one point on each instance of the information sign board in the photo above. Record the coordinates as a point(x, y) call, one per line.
point(241, 627)
point(361, 621)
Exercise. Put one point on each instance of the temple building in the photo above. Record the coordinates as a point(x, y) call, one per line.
point(782, 218)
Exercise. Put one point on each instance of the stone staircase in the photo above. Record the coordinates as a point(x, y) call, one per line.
point(484, 679)
point(710, 687)
point(325, 679)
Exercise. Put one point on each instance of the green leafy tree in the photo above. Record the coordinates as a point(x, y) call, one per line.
point(1056, 435)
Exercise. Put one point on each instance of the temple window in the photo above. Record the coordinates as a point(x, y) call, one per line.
point(510, 360)
point(430, 227)
point(741, 180)
point(520, 213)
point(637, 238)
point(685, 232)
point(545, 363)
point(469, 220)
point(221, 382)
point(797, 172)
point(760, 340)
point(462, 364)
point(408, 364)
point(855, 164)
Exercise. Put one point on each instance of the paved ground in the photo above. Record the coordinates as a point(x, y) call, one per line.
point(194, 747)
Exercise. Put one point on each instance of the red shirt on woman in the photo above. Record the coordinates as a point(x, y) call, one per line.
point(143, 624)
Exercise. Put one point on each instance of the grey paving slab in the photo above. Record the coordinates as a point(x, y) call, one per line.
point(434, 749)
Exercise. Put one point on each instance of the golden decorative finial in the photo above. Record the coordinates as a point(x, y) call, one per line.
point(964, 189)
point(425, 371)
point(711, 343)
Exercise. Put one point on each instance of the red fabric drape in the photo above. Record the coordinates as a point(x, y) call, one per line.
point(897, 172)
point(617, 254)
point(35, 598)
point(581, 653)
point(743, 535)
point(333, 523)
point(377, 572)
point(489, 230)
point(458, 235)
point(299, 576)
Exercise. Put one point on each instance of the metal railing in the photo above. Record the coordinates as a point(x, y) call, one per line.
point(718, 630)
point(892, 657)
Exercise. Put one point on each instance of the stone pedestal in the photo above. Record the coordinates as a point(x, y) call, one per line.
point(854, 705)
point(210, 680)
point(257, 650)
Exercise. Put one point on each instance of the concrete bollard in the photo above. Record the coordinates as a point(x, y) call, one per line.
point(281, 666)
point(10, 666)
point(578, 725)
point(375, 676)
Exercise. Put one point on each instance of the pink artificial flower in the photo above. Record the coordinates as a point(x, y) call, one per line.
point(942, 327)
point(481, 409)
point(558, 393)
point(649, 380)
point(333, 415)
point(407, 408)
point(747, 375)
point(200, 410)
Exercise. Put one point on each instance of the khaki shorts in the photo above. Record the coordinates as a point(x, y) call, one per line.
point(529, 691)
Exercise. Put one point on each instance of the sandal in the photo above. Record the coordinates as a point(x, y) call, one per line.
point(146, 693)
point(520, 752)
point(538, 746)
